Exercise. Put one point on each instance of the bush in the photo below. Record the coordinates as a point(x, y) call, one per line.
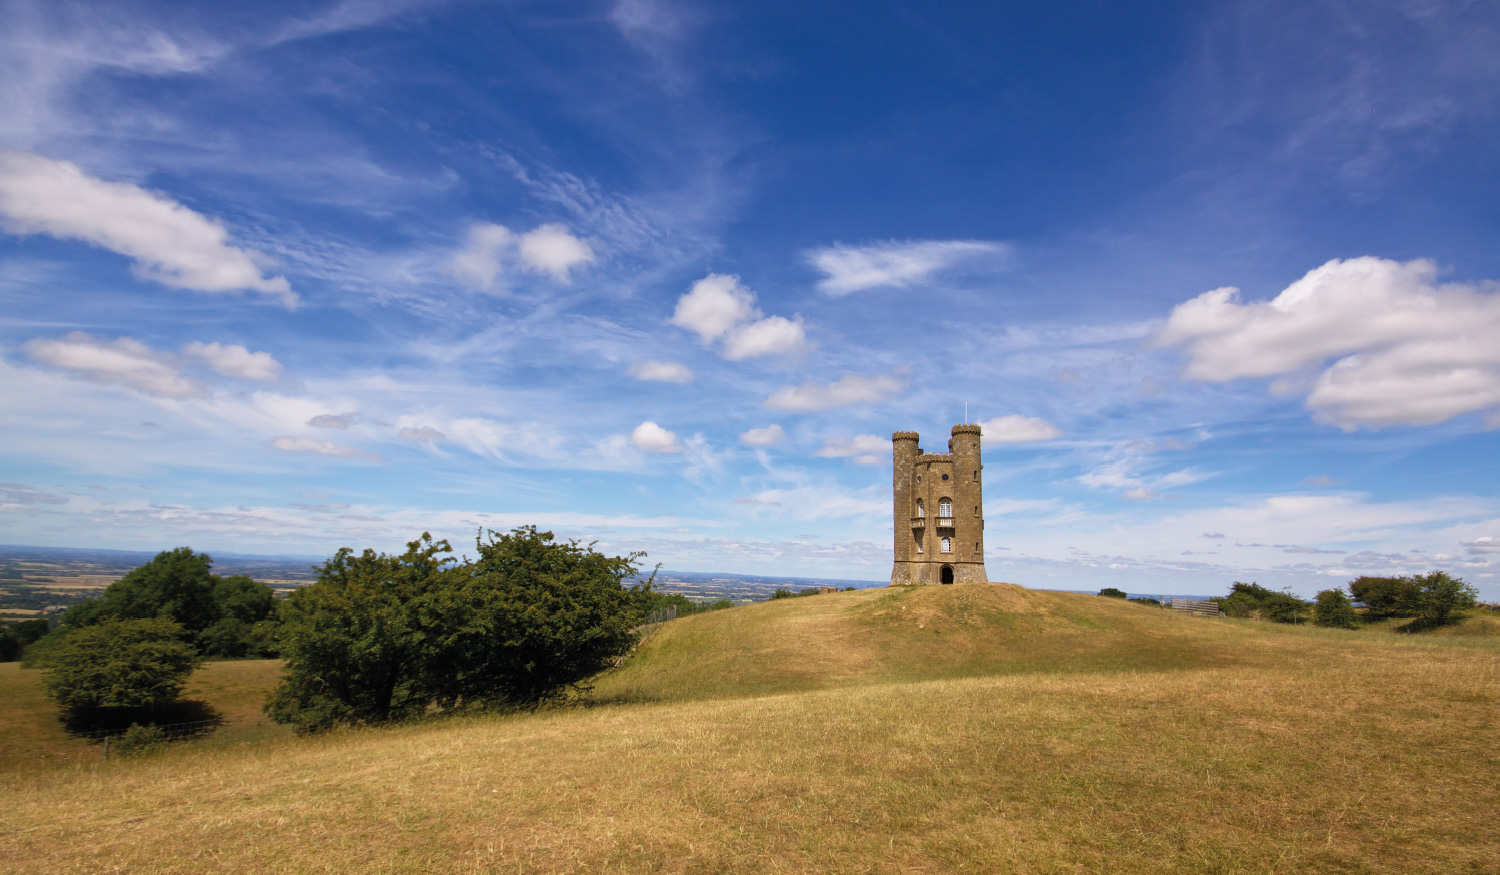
point(1254, 600)
point(782, 593)
point(1147, 600)
point(139, 739)
point(1333, 610)
point(1111, 592)
point(381, 638)
point(16, 637)
point(1384, 596)
point(1434, 596)
point(121, 664)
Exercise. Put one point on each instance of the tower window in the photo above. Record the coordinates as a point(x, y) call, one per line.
point(976, 510)
point(945, 508)
point(921, 508)
point(976, 476)
point(945, 476)
point(976, 547)
point(947, 545)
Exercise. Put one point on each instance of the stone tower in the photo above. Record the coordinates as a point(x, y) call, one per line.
point(938, 510)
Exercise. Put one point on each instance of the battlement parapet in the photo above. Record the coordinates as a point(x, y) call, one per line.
point(937, 457)
point(970, 428)
point(905, 436)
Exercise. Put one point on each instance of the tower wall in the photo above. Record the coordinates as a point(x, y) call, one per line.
point(904, 453)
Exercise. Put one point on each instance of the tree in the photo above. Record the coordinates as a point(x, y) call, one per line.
point(1111, 592)
point(354, 647)
point(1252, 599)
point(1333, 609)
point(15, 638)
point(220, 613)
point(119, 664)
point(1437, 596)
point(1384, 596)
point(380, 638)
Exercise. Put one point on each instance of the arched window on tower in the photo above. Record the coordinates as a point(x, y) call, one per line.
point(921, 508)
point(945, 508)
point(947, 545)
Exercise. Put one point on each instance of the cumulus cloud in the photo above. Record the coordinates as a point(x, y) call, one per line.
point(714, 305)
point(866, 449)
point(720, 306)
point(850, 389)
point(849, 269)
point(1389, 345)
point(236, 361)
point(551, 249)
point(478, 263)
point(548, 249)
point(291, 444)
point(763, 437)
point(421, 434)
point(168, 242)
point(121, 362)
point(1017, 429)
point(661, 372)
point(652, 438)
point(773, 335)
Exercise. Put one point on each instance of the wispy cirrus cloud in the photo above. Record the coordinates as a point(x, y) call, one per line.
point(846, 391)
point(896, 264)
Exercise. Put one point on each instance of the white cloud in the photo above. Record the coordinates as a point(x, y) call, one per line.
point(821, 502)
point(866, 449)
point(1015, 429)
point(763, 437)
point(714, 305)
point(662, 372)
point(652, 438)
point(548, 249)
point(478, 263)
point(847, 390)
point(1406, 350)
point(894, 263)
point(121, 362)
point(168, 242)
point(322, 448)
point(421, 434)
point(720, 306)
point(551, 249)
point(236, 361)
point(773, 335)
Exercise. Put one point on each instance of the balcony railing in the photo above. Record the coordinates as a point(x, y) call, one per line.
point(945, 522)
point(919, 522)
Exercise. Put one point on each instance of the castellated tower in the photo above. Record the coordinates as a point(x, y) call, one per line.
point(938, 510)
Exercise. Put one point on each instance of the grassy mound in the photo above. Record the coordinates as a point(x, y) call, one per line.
point(907, 634)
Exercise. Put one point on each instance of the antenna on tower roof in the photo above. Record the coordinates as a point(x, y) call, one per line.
point(966, 413)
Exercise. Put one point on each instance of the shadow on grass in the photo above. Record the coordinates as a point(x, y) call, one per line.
point(1426, 624)
point(180, 720)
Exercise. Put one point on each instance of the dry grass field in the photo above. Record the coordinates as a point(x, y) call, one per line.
point(985, 729)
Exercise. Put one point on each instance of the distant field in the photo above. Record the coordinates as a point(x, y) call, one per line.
point(986, 729)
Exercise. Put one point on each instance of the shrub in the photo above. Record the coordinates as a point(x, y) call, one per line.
point(1384, 596)
point(139, 739)
point(121, 664)
point(1254, 600)
point(380, 638)
point(1111, 592)
point(1333, 609)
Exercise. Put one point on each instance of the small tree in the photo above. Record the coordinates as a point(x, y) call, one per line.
point(1436, 596)
point(1384, 596)
point(1333, 609)
point(121, 664)
point(1111, 592)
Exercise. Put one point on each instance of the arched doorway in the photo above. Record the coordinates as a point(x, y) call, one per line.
point(947, 574)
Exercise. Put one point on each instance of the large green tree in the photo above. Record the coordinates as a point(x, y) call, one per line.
point(378, 638)
point(1332, 609)
point(219, 613)
point(120, 664)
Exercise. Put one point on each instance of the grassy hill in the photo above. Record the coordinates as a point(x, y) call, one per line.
point(978, 728)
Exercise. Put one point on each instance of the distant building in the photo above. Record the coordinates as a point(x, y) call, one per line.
point(939, 510)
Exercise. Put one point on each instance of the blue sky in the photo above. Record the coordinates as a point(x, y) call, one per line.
point(1218, 279)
